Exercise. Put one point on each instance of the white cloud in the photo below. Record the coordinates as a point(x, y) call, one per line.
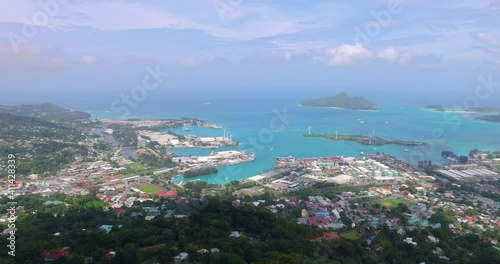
point(393, 55)
point(247, 21)
point(358, 54)
point(389, 54)
point(88, 59)
point(488, 38)
point(347, 55)
point(297, 32)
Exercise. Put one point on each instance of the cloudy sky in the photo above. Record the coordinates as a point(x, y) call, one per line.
point(89, 46)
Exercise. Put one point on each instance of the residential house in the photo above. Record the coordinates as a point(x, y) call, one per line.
point(182, 256)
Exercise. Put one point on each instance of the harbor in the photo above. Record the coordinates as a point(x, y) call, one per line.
point(173, 140)
point(222, 158)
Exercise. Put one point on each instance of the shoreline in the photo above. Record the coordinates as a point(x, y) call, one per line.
point(337, 108)
point(450, 111)
point(376, 141)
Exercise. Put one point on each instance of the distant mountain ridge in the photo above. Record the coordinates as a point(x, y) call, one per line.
point(341, 100)
point(44, 111)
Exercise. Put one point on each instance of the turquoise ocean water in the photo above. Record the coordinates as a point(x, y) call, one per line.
point(255, 123)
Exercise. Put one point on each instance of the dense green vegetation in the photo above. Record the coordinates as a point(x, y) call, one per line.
point(156, 161)
point(39, 145)
point(124, 134)
point(200, 172)
point(341, 100)
point(44, 111)
point(265, 237)
point(29, 127)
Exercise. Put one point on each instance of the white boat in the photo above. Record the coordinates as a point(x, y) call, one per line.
point(362, 122)
point(406, 150)
point(185, 128)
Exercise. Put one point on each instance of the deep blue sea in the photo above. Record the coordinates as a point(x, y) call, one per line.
point(274, 126)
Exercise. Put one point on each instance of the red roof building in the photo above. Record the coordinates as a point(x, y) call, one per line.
point(110, 255)
point(236, 203)
point(317, 221)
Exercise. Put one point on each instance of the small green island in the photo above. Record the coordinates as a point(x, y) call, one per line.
point(490, 118)
point(487, 109)
point(375, 141)
point(200, 172)
point(436, 107)
point(341, 100)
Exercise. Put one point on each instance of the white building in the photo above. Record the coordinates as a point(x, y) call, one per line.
point(182, 256)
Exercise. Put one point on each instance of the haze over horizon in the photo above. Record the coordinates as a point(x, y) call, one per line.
point(97, 50)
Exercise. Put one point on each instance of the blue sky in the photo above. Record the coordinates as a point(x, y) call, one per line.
point(103, 47)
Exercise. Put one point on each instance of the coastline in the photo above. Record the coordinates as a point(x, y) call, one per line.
point(281, 141)
point(337, 108)
point(450, 111)
point(375, 141)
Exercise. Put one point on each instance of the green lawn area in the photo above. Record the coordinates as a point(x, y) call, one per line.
point(393, 203)
point(94, 204)
point(149, 189)
point(350, 235)
point(135, 166)
point(128, 175)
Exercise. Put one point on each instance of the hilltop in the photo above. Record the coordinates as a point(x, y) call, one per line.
point(44, 111)
point(341, 100)
point(41, 146)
